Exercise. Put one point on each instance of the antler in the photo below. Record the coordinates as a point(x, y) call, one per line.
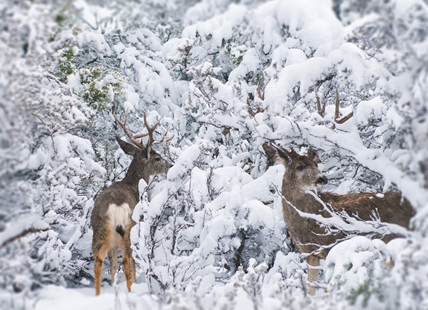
point(261, 96)
point(133, 138)
point(336, 113)
point(150, 131)
point(321, 110)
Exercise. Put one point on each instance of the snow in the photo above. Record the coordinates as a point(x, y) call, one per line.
point(199, 187)
point(225, 76)
point(349, 260)
point(53, 297)
point(314, 22)
point(367, 110)
point(222, 26)
point(401, 6)
point(91, 37)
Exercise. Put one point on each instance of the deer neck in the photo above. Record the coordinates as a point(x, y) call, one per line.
point(299, 197)
point(135, 173)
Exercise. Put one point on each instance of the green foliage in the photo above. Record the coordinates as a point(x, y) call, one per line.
point(366, 291)
point(233, 50)
point(97, 88)
point(65, 65)
point(60, 18)
point(96, 97)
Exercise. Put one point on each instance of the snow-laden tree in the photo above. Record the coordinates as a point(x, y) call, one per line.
point(47, 172)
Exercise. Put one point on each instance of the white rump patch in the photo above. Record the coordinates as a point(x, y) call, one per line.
point(119, 215)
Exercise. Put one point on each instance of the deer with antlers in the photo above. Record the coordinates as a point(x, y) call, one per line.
point(309, 214)
point(112, 214)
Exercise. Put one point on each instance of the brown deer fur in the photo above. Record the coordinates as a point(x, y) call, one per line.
point(112, 214)
point(310, 236)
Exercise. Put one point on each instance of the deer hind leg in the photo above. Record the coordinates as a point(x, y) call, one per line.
point(99, 250)
point(312, 261)
point(127, 260)
point(112, 256)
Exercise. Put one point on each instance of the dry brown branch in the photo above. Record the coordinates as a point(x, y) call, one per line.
point(23, 234)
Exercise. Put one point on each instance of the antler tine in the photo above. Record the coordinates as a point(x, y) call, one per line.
point(250, 110)
point(320, 108)
point(336, 112)
point(141, 135)
point(150, 129)
point(123, 125)
point(163, 138)
point(169, 139)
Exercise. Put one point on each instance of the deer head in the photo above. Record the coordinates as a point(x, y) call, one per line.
point(301, 171)
point(146, 161)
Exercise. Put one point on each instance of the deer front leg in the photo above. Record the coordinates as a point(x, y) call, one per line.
point(312, 261)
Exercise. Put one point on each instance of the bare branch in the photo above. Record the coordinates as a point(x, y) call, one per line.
point(22, 234)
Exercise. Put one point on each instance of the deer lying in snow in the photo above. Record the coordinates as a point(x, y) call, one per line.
point(302, 207)
point(111, 217)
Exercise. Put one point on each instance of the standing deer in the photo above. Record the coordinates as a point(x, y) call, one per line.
point(111, 217)
point(313, 237)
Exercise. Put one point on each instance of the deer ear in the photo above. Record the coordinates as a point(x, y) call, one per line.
point(146, 152)
point(286, 156)
point(276, 154)
point(313, 156)
point(270, 150)
point(128, 148)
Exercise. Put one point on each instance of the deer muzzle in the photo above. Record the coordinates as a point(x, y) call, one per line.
point(167, 165)
point(321, 181)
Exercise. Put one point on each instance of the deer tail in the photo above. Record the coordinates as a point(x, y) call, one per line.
point(120, 230)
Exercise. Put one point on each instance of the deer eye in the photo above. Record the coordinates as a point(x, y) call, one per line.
point(157, 159)
point(300, 168)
